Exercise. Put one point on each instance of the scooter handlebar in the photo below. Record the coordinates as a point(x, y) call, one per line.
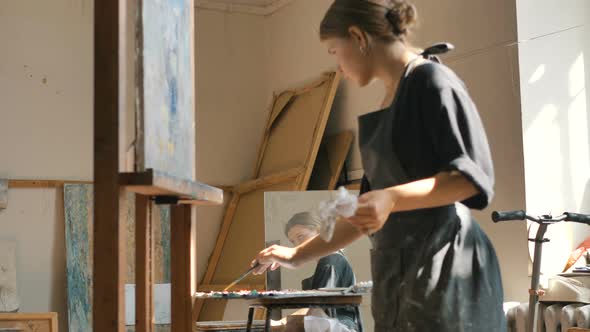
point(498, 216)
point(577, 217)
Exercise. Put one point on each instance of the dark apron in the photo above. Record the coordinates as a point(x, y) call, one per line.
point(433, 269)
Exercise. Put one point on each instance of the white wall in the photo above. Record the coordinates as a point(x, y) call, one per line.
point(554, 49)
point(45, 132)
point(46, 87)
point(231, 109)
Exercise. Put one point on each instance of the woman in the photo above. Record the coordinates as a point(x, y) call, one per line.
point(426, 161)
point(331, 271)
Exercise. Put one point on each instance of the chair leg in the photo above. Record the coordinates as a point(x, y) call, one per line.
point(250, 316)
point(357, 314)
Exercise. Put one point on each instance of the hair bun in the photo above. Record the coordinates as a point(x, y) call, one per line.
point(402, 15)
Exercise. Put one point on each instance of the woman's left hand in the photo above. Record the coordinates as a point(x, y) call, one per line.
point(373, 210)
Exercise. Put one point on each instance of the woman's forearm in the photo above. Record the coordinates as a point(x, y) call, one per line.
point(316, 247)
point(442, 189)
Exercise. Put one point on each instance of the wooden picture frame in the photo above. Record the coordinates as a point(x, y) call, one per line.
point(296, 123)
point(28, 322)
point(241, 236)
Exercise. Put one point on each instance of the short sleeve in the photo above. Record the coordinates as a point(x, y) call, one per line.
point(459, 141)
point(324, 276)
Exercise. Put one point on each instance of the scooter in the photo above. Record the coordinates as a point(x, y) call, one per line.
point(544, 221)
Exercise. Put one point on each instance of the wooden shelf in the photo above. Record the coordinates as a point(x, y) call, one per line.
point(154, 183)
point(28, 184)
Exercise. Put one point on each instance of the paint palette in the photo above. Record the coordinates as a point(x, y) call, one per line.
point(359, 288)
point(254, 294)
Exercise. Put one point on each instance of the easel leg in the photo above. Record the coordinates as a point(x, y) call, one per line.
point(144, 265)
point(181, 269)
point(267, 320)
point(109, 232)
point(250, 317)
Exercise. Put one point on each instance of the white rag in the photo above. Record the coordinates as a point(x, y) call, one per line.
point(343, 205)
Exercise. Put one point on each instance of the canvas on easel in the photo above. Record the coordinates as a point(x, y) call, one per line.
point(165, 135)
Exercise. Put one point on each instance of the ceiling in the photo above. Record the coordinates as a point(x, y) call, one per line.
point(259, 3)
point(255, 7)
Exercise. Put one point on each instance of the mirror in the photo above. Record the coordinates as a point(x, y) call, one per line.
point(279, 207)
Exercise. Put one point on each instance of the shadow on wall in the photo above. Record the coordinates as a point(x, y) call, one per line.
point(557, 135)
point(585, 208)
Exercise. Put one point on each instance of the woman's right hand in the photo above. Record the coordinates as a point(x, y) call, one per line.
point(273, 257)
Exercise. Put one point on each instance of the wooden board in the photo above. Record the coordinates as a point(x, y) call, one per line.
point(144, 278)
point(330, 161)
point(296, 124)
point(155, 183)
point(108, 274)
point(182, 271)
point(240, 239)
point(165, 115)
point(33, 184)
point(29, 322)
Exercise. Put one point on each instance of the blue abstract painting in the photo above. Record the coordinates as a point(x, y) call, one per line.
point(78, 220)
point(168, 119)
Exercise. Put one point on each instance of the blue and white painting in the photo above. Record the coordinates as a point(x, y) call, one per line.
point(78, 219)
point(168, 108)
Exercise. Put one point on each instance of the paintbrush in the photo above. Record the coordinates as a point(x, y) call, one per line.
point(241, 277)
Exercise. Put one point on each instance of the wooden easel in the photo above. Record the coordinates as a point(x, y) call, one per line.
point(111, 182)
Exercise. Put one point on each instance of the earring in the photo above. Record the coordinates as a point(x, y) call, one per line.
point(363, 50)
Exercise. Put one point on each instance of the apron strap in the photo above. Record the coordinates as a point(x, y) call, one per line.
point(441, 48)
